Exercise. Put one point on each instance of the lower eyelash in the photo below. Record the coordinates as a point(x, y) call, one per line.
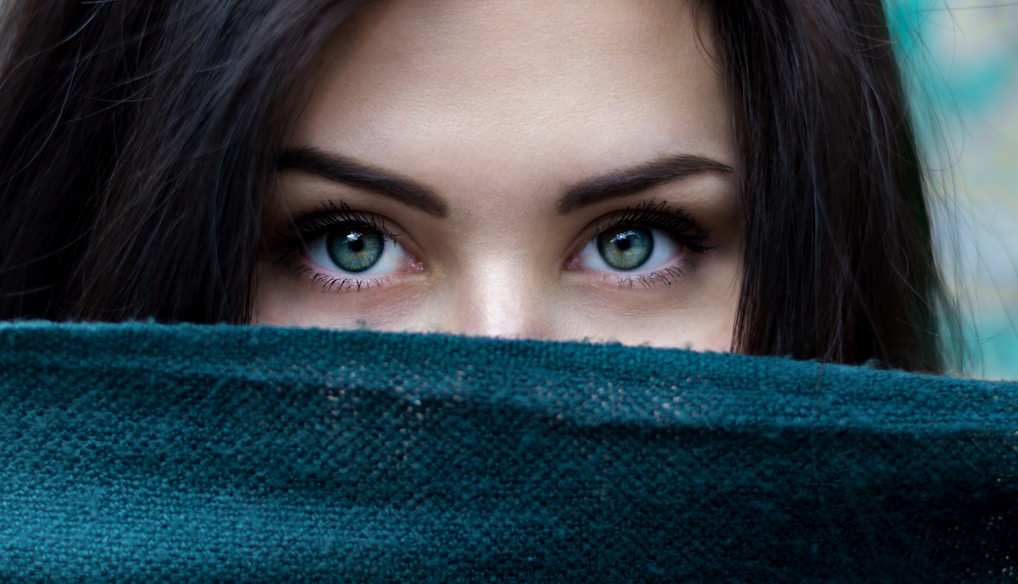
point(332, 284)
point(328, 283)
point(664, 277)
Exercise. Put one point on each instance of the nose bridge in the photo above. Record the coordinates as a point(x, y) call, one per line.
point(498, 299)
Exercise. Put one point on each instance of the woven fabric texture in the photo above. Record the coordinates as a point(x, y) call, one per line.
point(187, 453)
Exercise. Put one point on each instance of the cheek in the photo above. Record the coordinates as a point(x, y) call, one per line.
point(702, 327)
point(697, 312)
point(284, 299)
point(700, 330)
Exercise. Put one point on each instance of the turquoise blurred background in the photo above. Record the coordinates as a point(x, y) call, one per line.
point(962, 60)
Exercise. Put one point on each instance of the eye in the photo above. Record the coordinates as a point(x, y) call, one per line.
point(357, 249)
point(628, 249)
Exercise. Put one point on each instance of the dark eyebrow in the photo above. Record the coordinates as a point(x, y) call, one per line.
point(360, 176)
point(635, 180)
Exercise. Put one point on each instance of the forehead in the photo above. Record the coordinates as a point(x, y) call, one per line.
point(516, 84)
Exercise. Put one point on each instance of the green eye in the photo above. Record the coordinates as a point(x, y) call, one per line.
point(626, 248)
point(355, 249)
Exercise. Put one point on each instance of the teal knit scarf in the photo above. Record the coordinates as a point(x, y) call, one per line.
point(196, 454)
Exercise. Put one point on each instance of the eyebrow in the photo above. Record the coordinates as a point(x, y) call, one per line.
point(635, 180)
point(344, 171)
point(616, 184)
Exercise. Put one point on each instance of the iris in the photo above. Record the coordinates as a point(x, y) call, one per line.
point(626, 248)
point(355, 249)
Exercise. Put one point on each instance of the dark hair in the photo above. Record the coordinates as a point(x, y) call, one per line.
point(838, 261)
point(138, 139)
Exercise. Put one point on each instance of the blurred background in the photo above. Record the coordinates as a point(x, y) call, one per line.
point(962, 60)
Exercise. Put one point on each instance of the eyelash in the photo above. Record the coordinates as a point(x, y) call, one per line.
point(317, 223)
point(675, 223)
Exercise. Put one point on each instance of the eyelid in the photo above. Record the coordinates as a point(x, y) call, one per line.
point(308, 225)
point(659, 215)
point(315, 223)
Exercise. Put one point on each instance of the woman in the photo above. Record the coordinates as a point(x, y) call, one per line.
point(665, 172)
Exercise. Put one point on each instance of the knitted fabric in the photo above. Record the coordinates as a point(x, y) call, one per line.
point(188, 453)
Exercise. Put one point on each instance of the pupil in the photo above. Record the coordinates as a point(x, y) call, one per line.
point(355, 242)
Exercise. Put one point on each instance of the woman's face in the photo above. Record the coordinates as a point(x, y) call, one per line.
point(554, 170)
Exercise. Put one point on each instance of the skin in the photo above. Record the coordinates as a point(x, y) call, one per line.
point(499, 109)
